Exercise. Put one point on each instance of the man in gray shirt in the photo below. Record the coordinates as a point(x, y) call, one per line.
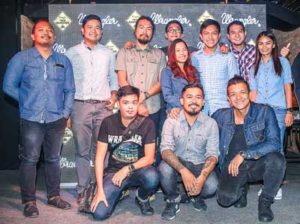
point(189, 150)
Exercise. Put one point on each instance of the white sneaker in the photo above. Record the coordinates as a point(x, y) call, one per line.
point(278, 195)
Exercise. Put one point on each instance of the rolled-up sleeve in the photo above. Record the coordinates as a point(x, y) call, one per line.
point(212, 146)
point(167, 136)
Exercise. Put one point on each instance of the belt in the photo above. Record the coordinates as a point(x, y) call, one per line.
point(91, 101)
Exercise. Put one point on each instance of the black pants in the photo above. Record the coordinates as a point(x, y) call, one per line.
point(269, 168)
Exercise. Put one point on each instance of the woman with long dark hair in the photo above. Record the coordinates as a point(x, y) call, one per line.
point(177, 75)
point(271, 83)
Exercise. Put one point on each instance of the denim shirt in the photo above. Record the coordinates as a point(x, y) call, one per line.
point(260, 128)
point(191, 143)
point(44, 88)
point(171, 87)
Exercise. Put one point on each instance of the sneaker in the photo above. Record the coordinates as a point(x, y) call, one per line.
point(279, 194)
point(199, 204)
point(259, 192)
point(185, 199)
point(57, 202)
point(170, 211)
point(145, 207)
point(242, 202)
point(31, 210)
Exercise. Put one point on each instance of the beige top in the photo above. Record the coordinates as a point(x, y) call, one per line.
point(143, 68)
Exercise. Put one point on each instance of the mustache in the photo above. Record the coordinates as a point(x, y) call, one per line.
point(194, 104)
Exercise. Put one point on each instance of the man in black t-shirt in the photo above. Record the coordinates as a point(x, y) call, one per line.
point(131, 157)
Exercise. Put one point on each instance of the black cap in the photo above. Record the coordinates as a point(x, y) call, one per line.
point(90, 17)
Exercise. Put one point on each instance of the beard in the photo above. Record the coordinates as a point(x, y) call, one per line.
point(193, 111)
point(143, 41)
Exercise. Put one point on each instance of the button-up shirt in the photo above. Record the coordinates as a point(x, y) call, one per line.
point(269, 85)
point(44, 88)
point(94, 71)
point(191, 143)
point(245, 59)
point(143, 68)
point(215, 70)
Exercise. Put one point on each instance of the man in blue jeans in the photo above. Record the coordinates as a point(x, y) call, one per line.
point(249, 150)
point(130, 139)
point(189, 149)
point(41, 80)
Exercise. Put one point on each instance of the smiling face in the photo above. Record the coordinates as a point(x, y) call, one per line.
point(92, 32)
point(236, 35)
point(210, 36)
point(43, 34)
point(174, 32)
point(238, 96)
point(143, 31)
point(192, 101)
point(181, 53)
point(128, 106)
point(265, 46)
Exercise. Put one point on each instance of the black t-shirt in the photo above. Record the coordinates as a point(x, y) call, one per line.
point(237, 144)
point(131, 150)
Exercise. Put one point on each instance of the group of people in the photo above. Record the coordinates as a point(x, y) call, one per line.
point(195, 123)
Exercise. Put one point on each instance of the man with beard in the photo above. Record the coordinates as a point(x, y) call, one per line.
point(189, 150)
point(96, 87)
point(249, 150)
point(42, 81)
point(140, 67)
point(130, 159)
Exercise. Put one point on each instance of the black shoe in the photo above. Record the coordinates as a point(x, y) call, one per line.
point(170, 211)
point(242, 202)
point(185, 199)
point(30, 209)
point(57, 202)
point(265, 213)
point(199, 204)
point(145, 207)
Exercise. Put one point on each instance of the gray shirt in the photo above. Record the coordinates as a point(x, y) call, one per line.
point(143, 68)
point(191, 143)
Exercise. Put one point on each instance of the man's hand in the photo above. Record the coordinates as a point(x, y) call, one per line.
point(111, 103)
point(120, 176)
point(234, 165)
point(129, 44)
point(99, 197)
point(69, 124)
point(189, 180)
point(224, 48)
point(199, 185)
point(143, 110)
point(174, 113)
point(285, 50)
point(289, 119)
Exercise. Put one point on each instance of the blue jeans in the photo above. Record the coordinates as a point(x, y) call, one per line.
point(269, 168)
point(170, 178)
point(156, 119)
point(34, 135)
point(280, 116)
point(86, 121)
point(146, 179)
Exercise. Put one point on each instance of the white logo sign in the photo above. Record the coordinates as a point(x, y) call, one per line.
point(62, 21)
point(206, 15)
point(227, 18)
point(133, 18)
point(112, 46)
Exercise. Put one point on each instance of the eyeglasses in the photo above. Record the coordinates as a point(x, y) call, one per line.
point(174, 31)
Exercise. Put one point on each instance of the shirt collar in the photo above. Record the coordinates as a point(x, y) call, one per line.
point(148, 48)
point(200, 118)
point(88, 48)
point(217, 51)
point(37, 54)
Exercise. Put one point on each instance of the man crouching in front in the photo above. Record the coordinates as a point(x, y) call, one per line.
point(130, 139)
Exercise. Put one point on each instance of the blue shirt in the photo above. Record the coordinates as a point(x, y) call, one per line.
point(44, 88)
point(171, 88)
point(191, 143)
point(215, 70)
point(270, 86)
point(94, 71)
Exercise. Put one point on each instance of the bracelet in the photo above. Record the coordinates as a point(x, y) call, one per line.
point(290, 110)
point(131, 169)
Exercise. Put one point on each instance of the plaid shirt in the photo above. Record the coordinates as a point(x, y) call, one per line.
point(245, 59)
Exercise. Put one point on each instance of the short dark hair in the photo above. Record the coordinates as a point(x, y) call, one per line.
point(236, 22)
point(236, 80)
point(39, 21)
point(91, 17)
point(192, 85)
point(172, 22)
point(210, 22)
point(148, 19)
point(127, 90)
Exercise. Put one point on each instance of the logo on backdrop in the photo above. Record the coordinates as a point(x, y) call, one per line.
point(62, 21)
point(112, 46)
point(107, 20)
point(206, 15)
point(228, 18)
point(59, 48)
point(133, 18)
point(159, 19)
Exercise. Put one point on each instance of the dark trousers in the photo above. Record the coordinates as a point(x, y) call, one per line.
point(34, 135)
point(146, 179)
point(170, 179)
point(156, 119)
point(269, 168)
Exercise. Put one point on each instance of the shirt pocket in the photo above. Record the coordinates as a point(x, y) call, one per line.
point(32, 73)
point(131, 65)
point(153, 68)
point(58, 73)
point(200, 141)
point(258, 132)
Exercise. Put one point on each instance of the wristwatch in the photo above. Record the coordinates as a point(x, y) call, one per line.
point(290, 110)
point(243, 154)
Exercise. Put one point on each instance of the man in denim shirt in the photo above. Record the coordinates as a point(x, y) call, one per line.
point(249, 150)
point(41, 80)
point(189, 149)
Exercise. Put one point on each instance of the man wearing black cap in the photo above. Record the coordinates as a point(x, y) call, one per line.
point(96, 86)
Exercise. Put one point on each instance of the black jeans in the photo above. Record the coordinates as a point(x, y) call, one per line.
point(269, 168)
point(34, 135)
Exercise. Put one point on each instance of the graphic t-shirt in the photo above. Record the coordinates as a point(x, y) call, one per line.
point(129, 151)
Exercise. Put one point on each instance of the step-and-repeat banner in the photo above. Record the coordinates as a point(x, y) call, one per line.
point(118, 26)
